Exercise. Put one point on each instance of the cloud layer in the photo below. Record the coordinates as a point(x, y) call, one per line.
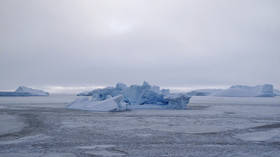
point(166, 42)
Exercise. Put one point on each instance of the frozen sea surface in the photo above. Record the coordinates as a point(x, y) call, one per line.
point(211, 126)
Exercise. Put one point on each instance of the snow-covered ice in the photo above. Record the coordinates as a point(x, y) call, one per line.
point(211, 126)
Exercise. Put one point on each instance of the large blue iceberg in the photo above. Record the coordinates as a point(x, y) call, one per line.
point(132, 97)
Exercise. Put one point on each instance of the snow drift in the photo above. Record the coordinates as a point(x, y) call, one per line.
point(25, 91)
point(121, 97)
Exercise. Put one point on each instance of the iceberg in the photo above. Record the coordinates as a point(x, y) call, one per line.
point(265, 90)
point(135, 94)
point(25, 91)
point(121, 98)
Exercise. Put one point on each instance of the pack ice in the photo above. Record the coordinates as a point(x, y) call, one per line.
point(121, 98)
point(25, 91)
point(265, 90)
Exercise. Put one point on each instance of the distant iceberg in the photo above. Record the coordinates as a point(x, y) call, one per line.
point(248, 91)
point(266, 90)
point(25, 91)
point(121, 98)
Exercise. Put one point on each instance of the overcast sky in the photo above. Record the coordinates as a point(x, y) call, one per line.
point(171, 43)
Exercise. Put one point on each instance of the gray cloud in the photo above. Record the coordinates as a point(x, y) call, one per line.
point(166, 42)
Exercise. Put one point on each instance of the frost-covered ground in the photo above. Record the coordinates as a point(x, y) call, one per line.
point(212, 126)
